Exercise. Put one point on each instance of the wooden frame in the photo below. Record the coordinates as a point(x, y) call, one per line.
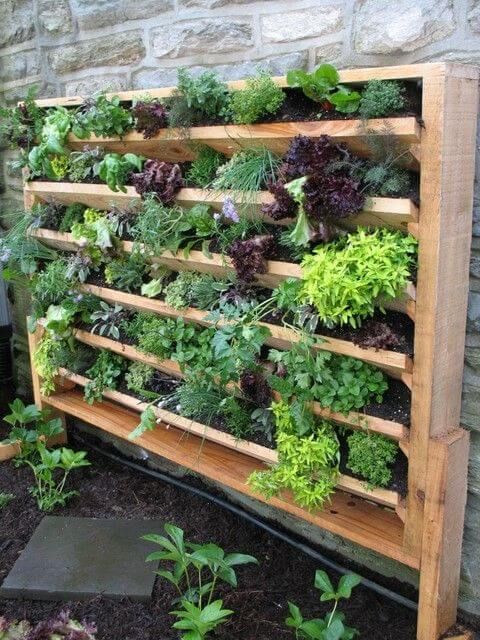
point(429, 539)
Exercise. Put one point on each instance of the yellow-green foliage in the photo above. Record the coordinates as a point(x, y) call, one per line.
point(260, 97)
point(307, 466)
point(345, 280)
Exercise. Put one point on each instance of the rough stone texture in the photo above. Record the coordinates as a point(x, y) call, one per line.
point(94, 14)
point(110, 43)
point(295, 25)
point(405, 25)
point(474, 16)
point(16, 21)
point(149, 78)
point(54, 16)
point(118, 49)
point(14, 67)
point(88, 86)
point(194, 37)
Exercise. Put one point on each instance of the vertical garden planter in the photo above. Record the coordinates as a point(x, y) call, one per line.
point(424, 531)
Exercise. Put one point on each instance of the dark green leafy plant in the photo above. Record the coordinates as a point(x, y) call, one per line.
point(260, 97)
point(115, 168)
point(371, 456)
point(205, 94)
point(347, 279)
point(340, 383)
point(73, 213)
point(322, 85)
point(332, 626)
point(197, 570)
point(85, 164)
point(49, 490)
point(21, 125)
point(127, 273)
point(5, 499)
point(105, 117)
point(203, 169)
point(382, 98)
point(29, 425)
point(107, 320)
point(307, 465)
point(50, 286)
point(104, 374)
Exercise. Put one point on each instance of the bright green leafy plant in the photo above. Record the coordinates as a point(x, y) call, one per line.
point(322, 85)
point(105, 374)
point(371, 456)
point(51, 472)
point(197, 570)
point(307, 465)
point(346, 280)
point(332, 626)
point(260, 97)
point(115, 168)
point(29, 425)
point(105, 117)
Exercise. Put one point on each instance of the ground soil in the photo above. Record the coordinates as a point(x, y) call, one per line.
point(260, 602)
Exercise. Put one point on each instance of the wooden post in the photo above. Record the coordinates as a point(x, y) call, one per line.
point(450, 96)
point(445, 498)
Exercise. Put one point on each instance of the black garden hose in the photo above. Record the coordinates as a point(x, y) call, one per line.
point(301, 546)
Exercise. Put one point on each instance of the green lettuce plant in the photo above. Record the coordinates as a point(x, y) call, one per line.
point(115, 168)
point(323, 85)
point(105, 117)
point(197, 571)
point(347, 279)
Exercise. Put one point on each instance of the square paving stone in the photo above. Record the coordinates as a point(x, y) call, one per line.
point(79, 558)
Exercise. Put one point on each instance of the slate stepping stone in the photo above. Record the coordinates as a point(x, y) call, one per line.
point(80, 558)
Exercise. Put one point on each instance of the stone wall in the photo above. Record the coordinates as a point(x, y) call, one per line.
point(79, 46)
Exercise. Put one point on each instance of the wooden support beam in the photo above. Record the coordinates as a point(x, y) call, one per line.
point(445, 498)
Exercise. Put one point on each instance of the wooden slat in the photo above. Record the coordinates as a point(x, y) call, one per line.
point(395, 364)
point(381, 496)
point(354, 420)
point(396, 213)
point(445, 225)
point(445, 498)
point(169, 145)
point(219, 266)
point(357, 520)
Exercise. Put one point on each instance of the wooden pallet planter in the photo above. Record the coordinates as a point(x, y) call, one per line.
point(398, 365)
point(354, 420)
point(395, 213)
point(218, 265)
point(384, 497)
point(428, 535)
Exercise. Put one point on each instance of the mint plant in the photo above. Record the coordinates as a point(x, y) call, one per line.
point(195, 572)
point(332, 626)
